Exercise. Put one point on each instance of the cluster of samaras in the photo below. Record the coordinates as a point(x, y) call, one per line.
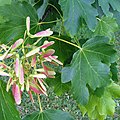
point(28, 67)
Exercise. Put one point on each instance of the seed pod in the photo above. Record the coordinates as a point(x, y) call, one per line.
point(44, 33)
point(21, 74)
point(16, 93)
point(16, 44)
point(33, 52)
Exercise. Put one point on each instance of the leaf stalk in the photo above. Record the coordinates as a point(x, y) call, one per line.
point(65, 41)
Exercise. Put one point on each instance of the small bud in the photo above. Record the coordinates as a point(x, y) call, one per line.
point(2, 57)
point(35, 89)
point(4, 47)
point(21, 74)
point(47, 44)
point(2, 73)
point(48, 53)
point(32, 52)
point(9, 55)
point(27, 85)
point(33, 63)
point(28, 23)
point(42, 85)
point(51, 73)
point(40, 70)
point(17, 44)
point(39, 76)
point(16, 67)
point(56, 60)
point(22, 87)
point(48, 59)
point(31, 97)
point(2, 65)
point(45, 33)
point(9, 83)
point(16, 93)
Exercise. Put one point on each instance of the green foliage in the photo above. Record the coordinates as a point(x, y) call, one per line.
point(75, 9)
point(16, 14)
point(114, 90)
point(3, 2)
point(105, 5)
point(58, 87)
point(93, 71)
point(8, 109)
point(106, 27)
point(114, 72)
point(116, 15)
point(41, 9)
point(83, 29)
point(100, 107)
point(63, 50)
point(49, 115)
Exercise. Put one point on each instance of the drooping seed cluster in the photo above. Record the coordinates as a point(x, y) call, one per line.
point(28, 67)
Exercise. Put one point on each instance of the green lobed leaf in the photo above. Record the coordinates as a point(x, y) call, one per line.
point(90, 66)
point(73, 10)
point(105, 5)
point(99, 107)
point(106, 27)
point(49, 115)
point(114, 90)
point(8, 109)
point(15, 26)
point(106, 105)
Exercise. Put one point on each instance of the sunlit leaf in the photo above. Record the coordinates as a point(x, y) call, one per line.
point(99, 107)
point(114, 89)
